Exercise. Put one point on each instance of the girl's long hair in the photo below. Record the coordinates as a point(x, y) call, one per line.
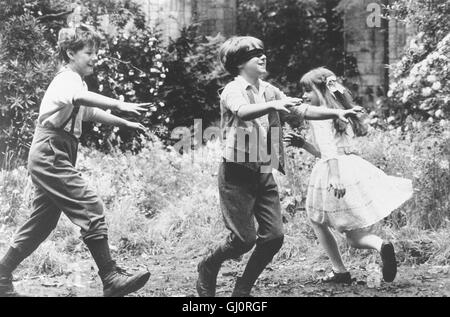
point(316, 80)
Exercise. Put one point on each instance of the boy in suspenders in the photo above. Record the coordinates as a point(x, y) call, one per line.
point(59, 186)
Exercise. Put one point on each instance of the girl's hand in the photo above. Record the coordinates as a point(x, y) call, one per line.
point(136, 126)
point(343, 114)
point(294, 139)
point(335, 184)
point(135, 108)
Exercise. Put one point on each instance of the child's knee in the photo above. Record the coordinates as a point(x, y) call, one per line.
point(352, 241)
point(244, 246)
point(97, 230)
point(274, 245)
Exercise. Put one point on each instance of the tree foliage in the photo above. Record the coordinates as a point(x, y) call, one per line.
point(298, 36)
point(419, 88)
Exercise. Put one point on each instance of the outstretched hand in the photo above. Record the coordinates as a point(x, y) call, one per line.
point(135, 108)
point(136, 126)
point(344, 114)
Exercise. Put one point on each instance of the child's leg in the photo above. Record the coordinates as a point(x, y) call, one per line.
point(71, 193)
point(41, 223)
point(364, 239)
point(267, 212)
point(53, 171)
point(237, 191)
point(328, 242)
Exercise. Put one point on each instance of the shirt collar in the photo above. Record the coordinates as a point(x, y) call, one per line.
point(245, 84)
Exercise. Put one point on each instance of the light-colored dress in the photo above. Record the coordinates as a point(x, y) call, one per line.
point(370, 196)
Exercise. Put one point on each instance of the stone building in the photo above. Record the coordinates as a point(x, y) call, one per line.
point(171, 15)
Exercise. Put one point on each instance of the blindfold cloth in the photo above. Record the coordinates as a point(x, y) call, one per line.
point(244, 57)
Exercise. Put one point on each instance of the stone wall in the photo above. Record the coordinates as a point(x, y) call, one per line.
point(374, 47)
point(171, 15)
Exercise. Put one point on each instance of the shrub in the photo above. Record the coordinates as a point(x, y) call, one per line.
point(191, 89)
point(298, 36)
point(419, 86)
point(26, 68)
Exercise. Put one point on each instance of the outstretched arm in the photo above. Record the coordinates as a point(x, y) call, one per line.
point(104, 117)
point(253, 111)
point(92, 99)
point(323, 113)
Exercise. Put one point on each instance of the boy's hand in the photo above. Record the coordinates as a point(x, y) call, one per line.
point(135, 108)
point(358, 109)
point(335, 184)
point(136, 126)
point(285, 104)
point(294, 139)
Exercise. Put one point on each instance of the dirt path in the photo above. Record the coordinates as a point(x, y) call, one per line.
point(172, 276)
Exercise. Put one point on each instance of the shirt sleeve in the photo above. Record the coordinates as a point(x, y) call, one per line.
point(297, 113)
point(233, 99)
point(65, 87)
point(90, 114)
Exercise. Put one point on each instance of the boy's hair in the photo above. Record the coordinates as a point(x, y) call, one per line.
point(316, 80)
point(75, 39)
point(233, 49)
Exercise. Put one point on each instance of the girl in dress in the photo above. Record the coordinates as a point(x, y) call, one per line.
point(346, 192)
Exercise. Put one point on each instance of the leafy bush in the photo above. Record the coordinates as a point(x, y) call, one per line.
point(130, 68)
point(420, 79)
point(26, 68)
point(191, 89)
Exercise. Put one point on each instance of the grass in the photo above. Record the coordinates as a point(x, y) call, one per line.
point(161, 203)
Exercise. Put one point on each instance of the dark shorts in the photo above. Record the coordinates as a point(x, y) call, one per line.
point(59, 187)
point(246, 195)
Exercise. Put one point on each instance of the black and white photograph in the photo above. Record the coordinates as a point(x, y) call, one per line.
point(258, 149)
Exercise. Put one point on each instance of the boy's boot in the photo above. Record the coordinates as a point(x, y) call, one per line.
point(261, 256)
point(116, 281)
point(209, 267)
point(8, 264)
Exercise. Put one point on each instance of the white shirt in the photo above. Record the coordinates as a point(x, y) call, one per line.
point(57, 104)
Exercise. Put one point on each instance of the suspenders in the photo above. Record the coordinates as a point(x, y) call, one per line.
point(274, 121)
point(73, 115)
